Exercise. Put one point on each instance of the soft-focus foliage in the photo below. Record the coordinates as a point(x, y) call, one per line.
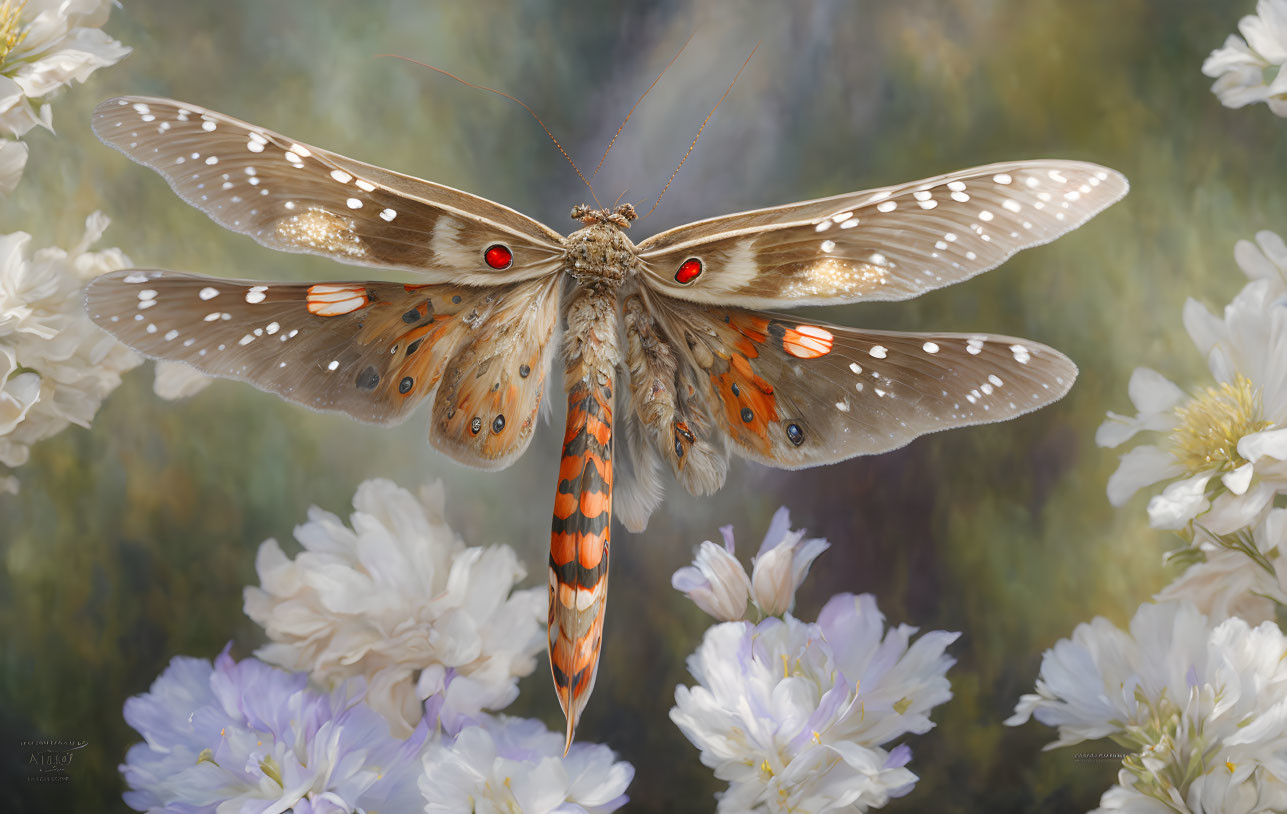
point(400, 600)
point(55, 365)
point(1202, 709)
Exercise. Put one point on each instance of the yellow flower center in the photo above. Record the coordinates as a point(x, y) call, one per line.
point(11, 31)
point(1209, 427)
point(270, 768)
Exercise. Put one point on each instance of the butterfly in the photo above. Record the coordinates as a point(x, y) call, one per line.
point(672, 322)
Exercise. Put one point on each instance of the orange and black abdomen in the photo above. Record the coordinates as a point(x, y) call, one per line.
point(582, 510)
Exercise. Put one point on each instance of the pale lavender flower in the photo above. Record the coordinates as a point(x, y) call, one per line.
point(517, 766)
point(248, 737)
point(1202, 708)
point(716, 581)
point(719, 585)
point(799, 717)
point(782, 564)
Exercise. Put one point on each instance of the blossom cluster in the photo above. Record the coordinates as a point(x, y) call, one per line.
point(389, 637)
point(1249, 68)
point(55, 365)
point(44, 46)
point(1196, 689)
point(802, 716)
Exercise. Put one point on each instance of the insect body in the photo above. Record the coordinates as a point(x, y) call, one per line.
point(668, 323)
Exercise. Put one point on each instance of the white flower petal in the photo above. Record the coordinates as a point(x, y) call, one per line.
point(176, 380)
point(1140, 467)
point(13, 158)
point(396, 595)
point(1239, 479)
point(1258, 445)
point(1179, 503)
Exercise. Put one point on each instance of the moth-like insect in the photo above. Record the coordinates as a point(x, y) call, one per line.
point(670, 319)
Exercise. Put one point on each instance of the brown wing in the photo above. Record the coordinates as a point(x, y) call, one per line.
point(294, 197)
point(370, 350)
point(792, 393)
point(884, 244)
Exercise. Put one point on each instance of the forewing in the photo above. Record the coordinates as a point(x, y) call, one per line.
point(294, 197)
point(884, 244)
point(793, 394)
point(371, 350)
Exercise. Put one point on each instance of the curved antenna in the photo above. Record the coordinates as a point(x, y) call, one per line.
point(512, 99)
point(699, 130)
point(641, 98)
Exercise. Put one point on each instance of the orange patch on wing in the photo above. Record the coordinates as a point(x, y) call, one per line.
point(807, 341)
point(333, 300)
point(754, 400)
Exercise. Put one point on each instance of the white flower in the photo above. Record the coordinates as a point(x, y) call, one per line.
point(716, 581)
point(13, 159)
point(517, 766)
point(1204, 710)
point(58, 366)
point(1243, 574)
point(44, 45)
point(177, 380)
point(796, 716)
point(401, 601)
point(1266, 259)
point(1224, 449)
point(243, 736)
point(1250, 70)
point(782, 564)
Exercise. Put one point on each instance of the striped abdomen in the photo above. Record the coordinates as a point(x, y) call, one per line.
point(583, 504)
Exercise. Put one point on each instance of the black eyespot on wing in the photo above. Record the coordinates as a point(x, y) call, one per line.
point(498, 423)
point(368, 378)
point(475, 425)
point(405, 385)
point(794, 434)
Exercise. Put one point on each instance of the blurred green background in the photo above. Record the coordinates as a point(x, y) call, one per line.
point(130, 543)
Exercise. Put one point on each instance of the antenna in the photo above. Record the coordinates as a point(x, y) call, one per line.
point(699, 129)
point(512, 99)
point(641, 98)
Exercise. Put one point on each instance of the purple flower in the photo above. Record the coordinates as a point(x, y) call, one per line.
point(247, 737)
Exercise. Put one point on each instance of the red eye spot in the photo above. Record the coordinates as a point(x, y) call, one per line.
point(689, 270)
point(498, 257)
